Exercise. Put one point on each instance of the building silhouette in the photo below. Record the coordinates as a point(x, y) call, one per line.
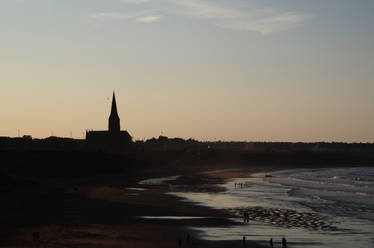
point(113, 140)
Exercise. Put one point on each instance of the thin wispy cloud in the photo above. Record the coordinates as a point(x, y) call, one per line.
point(149, 19)
point(134, 1)
point(203, 9)
point(140, 16)
point(265, 21)
point(226, 15)
point(113, 16)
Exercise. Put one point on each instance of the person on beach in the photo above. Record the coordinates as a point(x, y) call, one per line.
point(246, 217)
point(284, 242)
point(243, 240)
point(188, 238)
point(271, 243)
point(36, 237)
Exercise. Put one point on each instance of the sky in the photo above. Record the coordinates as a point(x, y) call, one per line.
point(234, 70)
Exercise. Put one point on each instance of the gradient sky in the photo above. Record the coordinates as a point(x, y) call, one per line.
point(255, 70)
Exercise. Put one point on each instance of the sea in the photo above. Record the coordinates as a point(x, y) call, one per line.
point(328, 207)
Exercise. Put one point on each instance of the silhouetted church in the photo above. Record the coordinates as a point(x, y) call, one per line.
point(113, 140)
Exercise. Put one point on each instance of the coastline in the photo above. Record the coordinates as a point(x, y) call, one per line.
point(312, 207)
point(113, 211)
point(109, 214)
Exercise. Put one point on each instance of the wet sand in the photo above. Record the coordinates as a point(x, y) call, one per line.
point(286, 217)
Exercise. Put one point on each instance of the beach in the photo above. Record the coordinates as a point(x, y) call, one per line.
point(194, 208)
point(112, 211)
point(311, 207)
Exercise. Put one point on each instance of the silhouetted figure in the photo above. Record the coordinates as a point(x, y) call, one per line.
point(244, 240)
point(193, 242)
point(36, 237)
point(271, 243)
point(246, 217)
point(284, 242)
point(188, 238)
point(180, 243)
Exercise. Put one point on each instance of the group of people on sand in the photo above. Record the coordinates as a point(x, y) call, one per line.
point(246, 217)
point(241, 185)
point(246, 220)
point(190, 241)
point(284, 242)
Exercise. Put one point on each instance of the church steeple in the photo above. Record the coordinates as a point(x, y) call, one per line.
point(114, 122)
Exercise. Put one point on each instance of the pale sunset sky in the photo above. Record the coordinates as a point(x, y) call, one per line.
point(242, 70)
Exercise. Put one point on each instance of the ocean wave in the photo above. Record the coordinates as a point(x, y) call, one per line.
point(331, 191)
point(295, 183)
point(319, 182)
point(322, 199)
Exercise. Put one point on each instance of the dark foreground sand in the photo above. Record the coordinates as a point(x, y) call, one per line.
point(108, 213)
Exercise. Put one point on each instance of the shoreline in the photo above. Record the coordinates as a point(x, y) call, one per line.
point(106, 212)
point(305, 221)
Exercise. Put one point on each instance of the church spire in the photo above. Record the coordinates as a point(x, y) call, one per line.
point(114, 121)
point(114, 105)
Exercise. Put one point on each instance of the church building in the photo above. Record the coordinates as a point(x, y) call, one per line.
point(113, 140)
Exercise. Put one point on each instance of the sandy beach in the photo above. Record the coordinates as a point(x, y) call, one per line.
point(110, 213)
point(114, 209)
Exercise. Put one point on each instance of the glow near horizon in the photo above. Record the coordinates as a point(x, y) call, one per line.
point(226, 70)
